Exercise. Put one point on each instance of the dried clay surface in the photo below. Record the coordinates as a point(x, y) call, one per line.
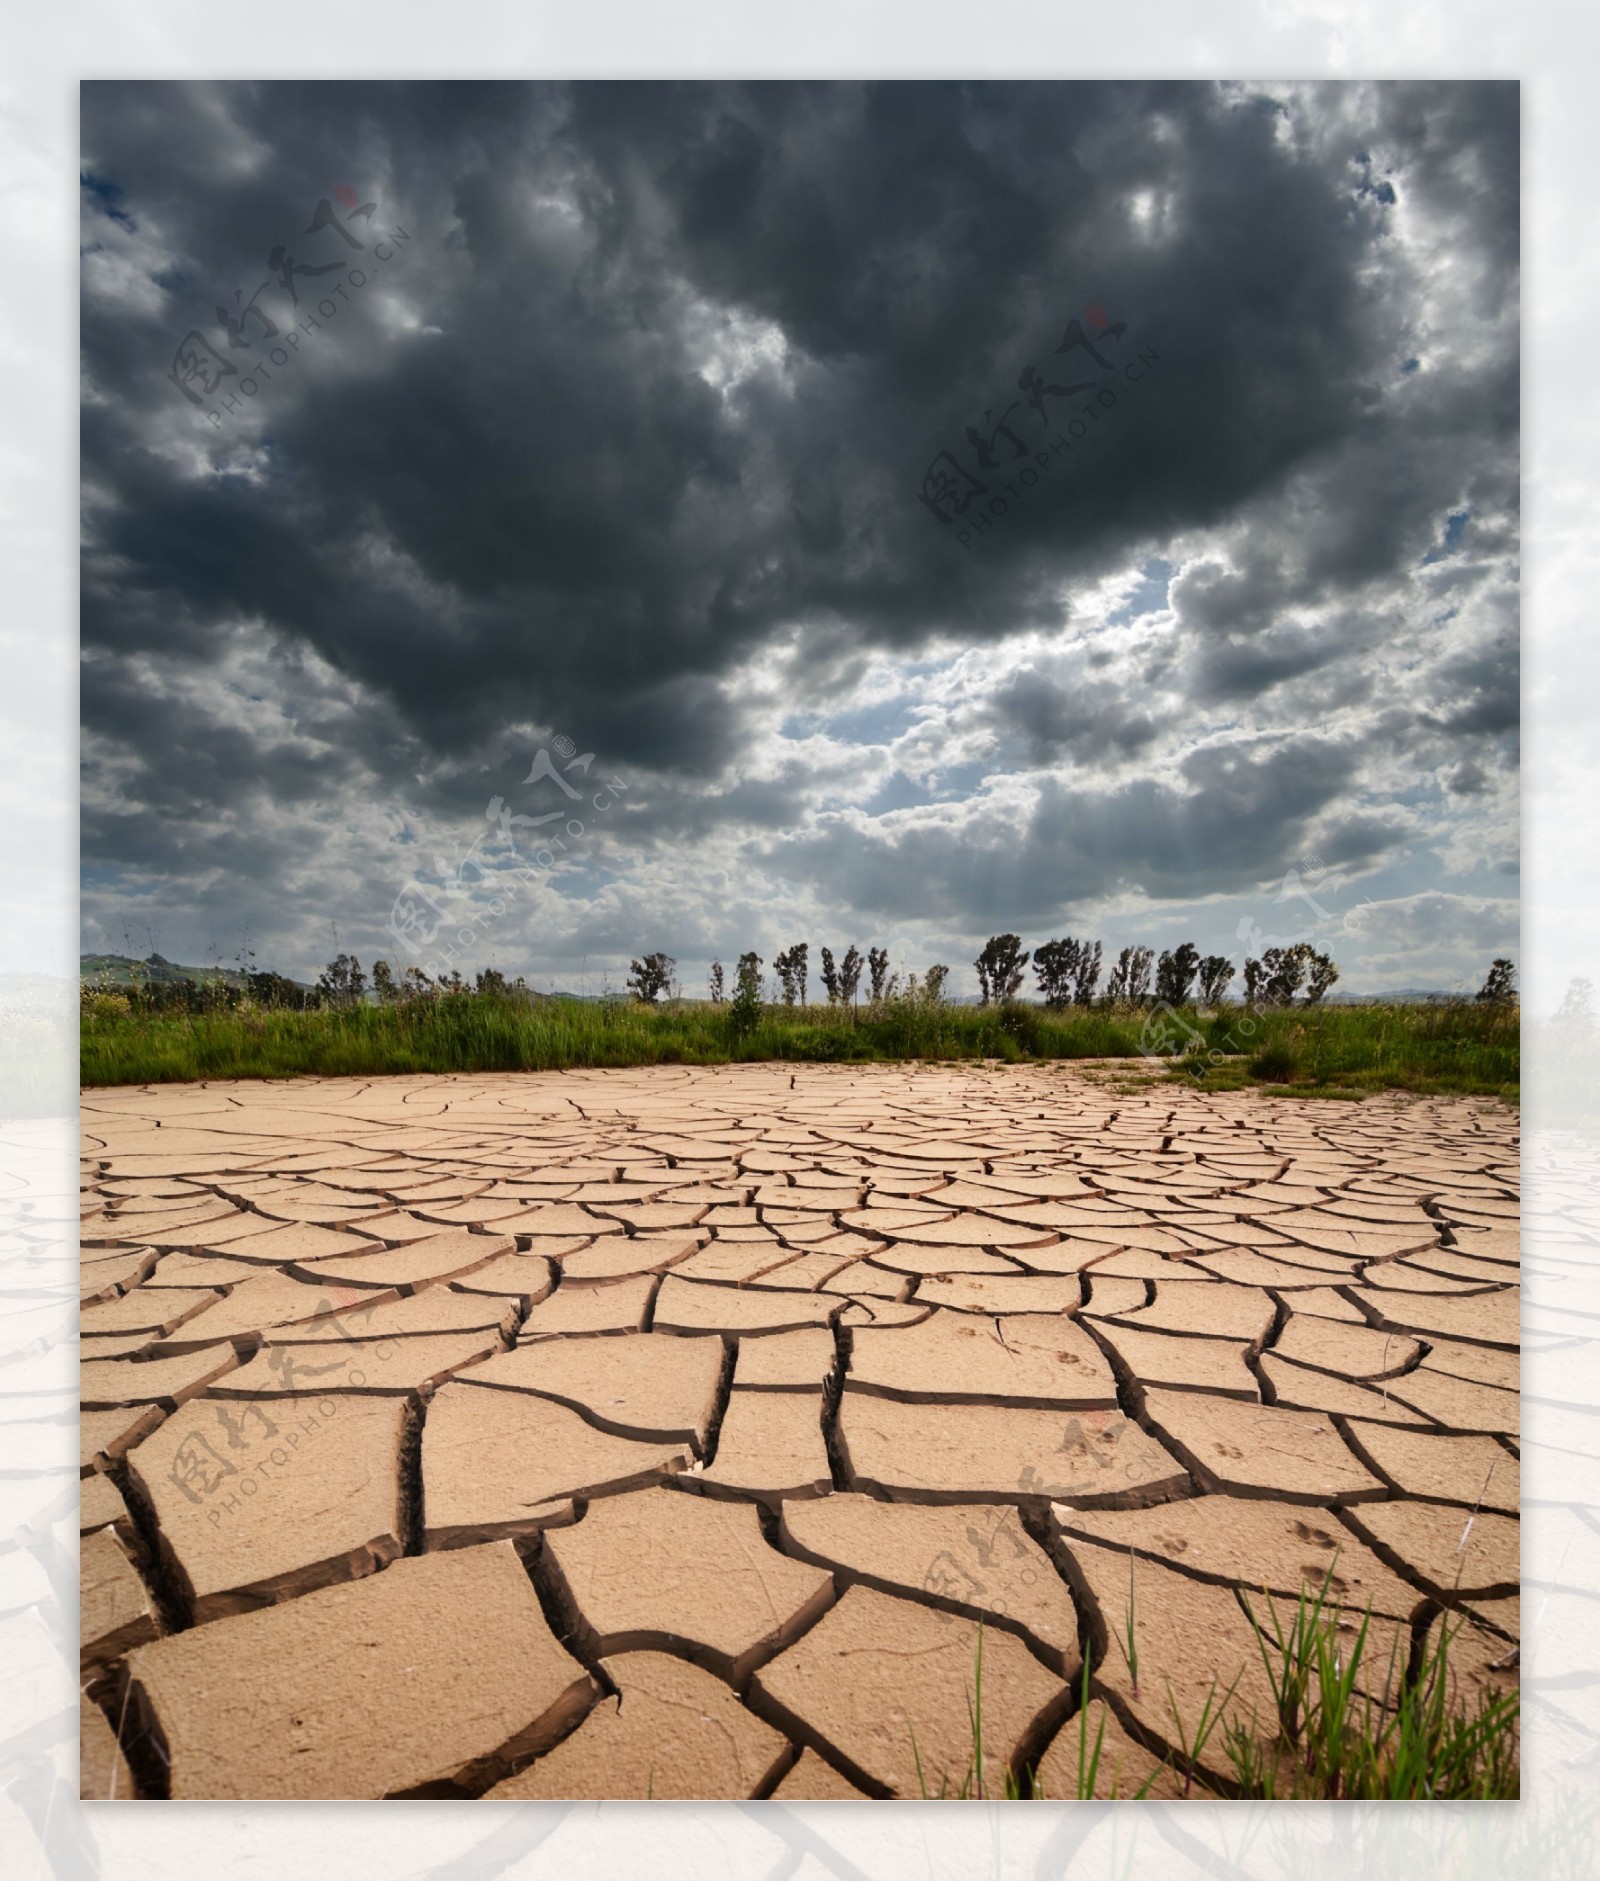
point(698, 1433)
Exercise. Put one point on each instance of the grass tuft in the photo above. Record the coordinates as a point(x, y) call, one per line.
point(1277, 1064)
point(1334, 1737)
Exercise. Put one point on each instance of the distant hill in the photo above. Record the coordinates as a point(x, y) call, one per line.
point(1398, 996)
point(123, 970)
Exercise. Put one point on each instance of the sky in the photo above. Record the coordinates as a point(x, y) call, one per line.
point(708, 517)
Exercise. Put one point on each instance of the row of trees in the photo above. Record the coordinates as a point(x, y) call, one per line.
point(841, 976)
point(1068, 972)
point(414, 984)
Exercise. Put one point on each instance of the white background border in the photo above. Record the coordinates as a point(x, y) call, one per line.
point(1551, 47)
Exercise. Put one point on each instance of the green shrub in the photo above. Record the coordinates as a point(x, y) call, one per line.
point(1276, 1064)
point(95, 1004)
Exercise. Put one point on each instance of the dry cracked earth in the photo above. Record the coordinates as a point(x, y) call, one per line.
point(673, 1433)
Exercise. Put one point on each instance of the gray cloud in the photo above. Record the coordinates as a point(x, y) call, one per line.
point(625, 442)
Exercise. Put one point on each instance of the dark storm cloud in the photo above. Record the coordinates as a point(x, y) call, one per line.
point(1483, 690)
point(1064, 721)
point(650, 391)
point(1246, 667)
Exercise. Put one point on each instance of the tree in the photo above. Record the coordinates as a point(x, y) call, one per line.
point(650, 977)
point(1500, 988)
point(1130, 977)
point(1117, 983)
point(717, 994)
point(342, 982)
point(269, 989)
point(790, 968)
point(1279, 974)
point(1323, 973)
point(878, 967)
point(1055, 967)
point(492, 980)
point(849, 975)
point(383, 983)
point(933, 985)
point(1286, 969)
point(744, 1011)
point(1216, 975)
point(1087, 972)
point(830, 977)
point(417, 985)
point(1000, 968)
point(1175, 973)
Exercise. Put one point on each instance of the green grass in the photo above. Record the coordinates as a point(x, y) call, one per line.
point(1334, 1736)
point(1403, 1742)
point(1455, 1046)
point(476, 1032)
point(1329, 1051)
point(970, 1786)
